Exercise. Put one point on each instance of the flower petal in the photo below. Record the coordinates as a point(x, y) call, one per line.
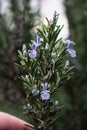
point(45, 95)
point(38, 40)
point(72, 52)
point(69, 43)
point(34, 91)
point(44, 85)
point(32, 53)
point(34, 46)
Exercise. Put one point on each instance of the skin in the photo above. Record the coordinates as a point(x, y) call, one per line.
point(9, 122)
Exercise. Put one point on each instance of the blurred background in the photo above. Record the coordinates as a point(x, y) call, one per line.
point(18, 20)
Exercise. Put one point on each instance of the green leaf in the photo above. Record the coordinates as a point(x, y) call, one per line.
point(53, 119)
point(20, 55)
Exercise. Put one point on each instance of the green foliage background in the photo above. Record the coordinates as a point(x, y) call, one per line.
point(75, 115)
point(18, 29)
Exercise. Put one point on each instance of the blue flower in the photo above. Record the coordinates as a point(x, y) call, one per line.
point(69, 45)
point(45, 94)
point(71, 52)
point(44, 85)
point(33, 52)
point(35, 91)
point(36, 44)
point(38, 41)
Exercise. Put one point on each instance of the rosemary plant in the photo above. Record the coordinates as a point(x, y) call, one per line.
point(45, 68)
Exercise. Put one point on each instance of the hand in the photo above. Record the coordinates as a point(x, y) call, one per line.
point(9, 122)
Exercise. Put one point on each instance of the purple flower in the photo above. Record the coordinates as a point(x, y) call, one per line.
point(45, 94)
point(38, 41)
point(36, 44)
point(33, 52)
point(71, 52)
point(69, 45)
point(35, 91)
point(44, 85)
